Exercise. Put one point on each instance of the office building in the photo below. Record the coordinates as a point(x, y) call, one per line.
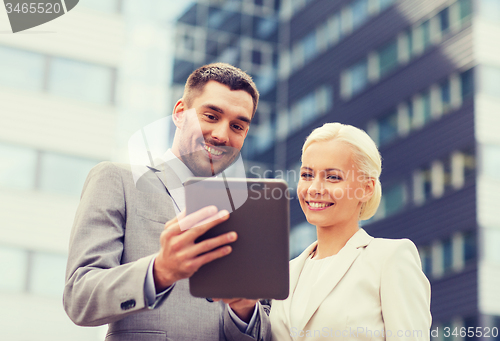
point(422, 77)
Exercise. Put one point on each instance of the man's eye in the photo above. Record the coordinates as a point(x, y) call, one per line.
point(237, 127)
point(210, 117)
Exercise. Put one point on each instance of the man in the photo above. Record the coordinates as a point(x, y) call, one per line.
point(113, 274)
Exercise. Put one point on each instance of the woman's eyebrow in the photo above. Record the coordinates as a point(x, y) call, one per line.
point(334, 170)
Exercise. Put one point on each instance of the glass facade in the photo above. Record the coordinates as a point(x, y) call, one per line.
point(63, 173)
point(17, 167)
point(81, 81)
point(21, 69)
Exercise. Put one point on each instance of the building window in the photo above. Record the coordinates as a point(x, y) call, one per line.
point(309, 46)
point(388, 58)
point(383, 4)
point(421, 109)
point(422, 185)
point(82, 81)
point(17, 167)
point(426, 258)
point(489, 9)
point(359, 13)
point(444, 20)
point(333, 30)
point(445, 91)
point(394, 199)
point(47, 275)
point(256, 57)
point(356, 78)
point(447, 248)
point(309, 107)
point(490, 80)
point(467, 83)
point(14, 269)
point(301, 236)
point(387, 129)
point(491, 160)
point(63, 173)
point(470, 246)
point(265, 27)
point(491, 241)
point(21, 69)
point(465, 9)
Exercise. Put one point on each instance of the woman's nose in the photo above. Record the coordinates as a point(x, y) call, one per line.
point(316, 187)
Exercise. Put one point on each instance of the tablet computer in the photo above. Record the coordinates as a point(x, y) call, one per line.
point(257, 267)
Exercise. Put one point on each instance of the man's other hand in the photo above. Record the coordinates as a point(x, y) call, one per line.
point(242, 307)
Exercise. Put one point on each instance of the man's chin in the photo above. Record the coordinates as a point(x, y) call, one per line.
point(203, 166)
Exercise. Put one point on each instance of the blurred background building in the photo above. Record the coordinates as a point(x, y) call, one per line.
point(72, 91)
point(422, 77)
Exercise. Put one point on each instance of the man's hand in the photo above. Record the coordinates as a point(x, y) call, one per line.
point(179, 256)
point(242, 307)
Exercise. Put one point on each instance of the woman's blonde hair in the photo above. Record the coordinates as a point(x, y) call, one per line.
point(365, 156)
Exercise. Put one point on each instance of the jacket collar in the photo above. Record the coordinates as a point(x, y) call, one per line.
point(329, 278)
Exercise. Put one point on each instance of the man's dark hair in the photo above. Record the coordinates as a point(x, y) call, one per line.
point(223, 73)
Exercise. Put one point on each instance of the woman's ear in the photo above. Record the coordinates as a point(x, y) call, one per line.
point(178, 113)
point(369, 188)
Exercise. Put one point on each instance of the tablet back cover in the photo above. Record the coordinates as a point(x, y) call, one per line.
point(258, 266)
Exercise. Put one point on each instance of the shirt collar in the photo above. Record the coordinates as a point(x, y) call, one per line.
point(179, 168)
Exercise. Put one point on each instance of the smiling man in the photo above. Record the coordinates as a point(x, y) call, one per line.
point(209, 138)
point(129, 260)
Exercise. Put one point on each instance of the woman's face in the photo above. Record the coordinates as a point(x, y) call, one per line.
point(331, 189)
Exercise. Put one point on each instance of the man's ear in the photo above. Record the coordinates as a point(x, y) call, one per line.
point(178, 113)
point(369, 189)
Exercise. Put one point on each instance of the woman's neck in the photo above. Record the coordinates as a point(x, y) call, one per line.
point(332, 239)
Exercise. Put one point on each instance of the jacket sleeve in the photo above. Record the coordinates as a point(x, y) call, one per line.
point(99, 289)
point(405, 295)
point(261, 330)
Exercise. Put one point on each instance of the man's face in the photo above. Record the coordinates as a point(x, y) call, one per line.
point(209, 137)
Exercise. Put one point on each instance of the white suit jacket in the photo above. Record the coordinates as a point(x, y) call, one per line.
point(371, 288)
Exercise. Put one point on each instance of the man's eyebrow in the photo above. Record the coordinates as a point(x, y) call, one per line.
point(214, 108)
point(244, 119)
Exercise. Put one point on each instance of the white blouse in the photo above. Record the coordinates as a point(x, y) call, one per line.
point(312, 270)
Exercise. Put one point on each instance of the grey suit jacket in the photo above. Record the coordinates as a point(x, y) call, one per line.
point(115, 235)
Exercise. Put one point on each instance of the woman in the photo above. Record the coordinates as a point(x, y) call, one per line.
point(348, 285)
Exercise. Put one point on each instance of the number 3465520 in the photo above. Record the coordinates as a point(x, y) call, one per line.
point(33, 8)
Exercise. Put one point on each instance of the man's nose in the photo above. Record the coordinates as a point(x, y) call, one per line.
point(220, 133)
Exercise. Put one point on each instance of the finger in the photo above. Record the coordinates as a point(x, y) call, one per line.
point(211, 256)
point(174, 221)
point(194, 218)
point(210, 244)
point(193, 233)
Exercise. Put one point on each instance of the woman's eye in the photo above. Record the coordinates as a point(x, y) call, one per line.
point(306, 175)
point(334, 177)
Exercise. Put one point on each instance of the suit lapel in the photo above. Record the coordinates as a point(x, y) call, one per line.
point(334, 273)
point(167, 176)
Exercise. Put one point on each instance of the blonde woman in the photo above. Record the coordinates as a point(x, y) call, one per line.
point(348, 285)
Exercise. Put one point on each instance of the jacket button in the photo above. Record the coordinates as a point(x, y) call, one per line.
point(128, 304)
